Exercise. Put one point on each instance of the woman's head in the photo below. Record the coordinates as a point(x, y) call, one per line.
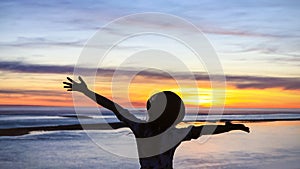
point(165, 109)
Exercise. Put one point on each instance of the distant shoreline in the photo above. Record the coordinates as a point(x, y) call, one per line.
point(26, 130)
point(40, 109)
point(246, 120)
point(103, 126)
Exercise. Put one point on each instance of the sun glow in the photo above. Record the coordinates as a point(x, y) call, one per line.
point(35, 91)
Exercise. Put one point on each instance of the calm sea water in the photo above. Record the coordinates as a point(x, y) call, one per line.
point(269, 145)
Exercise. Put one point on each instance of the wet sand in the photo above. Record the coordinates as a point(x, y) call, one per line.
point(268, 145)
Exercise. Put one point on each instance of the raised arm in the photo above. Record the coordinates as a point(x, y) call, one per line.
point(196, 132)
point(103, 101)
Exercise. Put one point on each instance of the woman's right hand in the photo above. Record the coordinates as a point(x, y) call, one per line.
point(74, 86)
point(241, 127)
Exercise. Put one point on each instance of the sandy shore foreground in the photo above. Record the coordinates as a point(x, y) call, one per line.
point(269, 145)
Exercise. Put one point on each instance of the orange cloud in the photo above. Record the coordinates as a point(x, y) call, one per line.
point(46, 90)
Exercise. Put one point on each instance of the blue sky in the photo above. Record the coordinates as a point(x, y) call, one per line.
point(250, 37)
point(257, 43)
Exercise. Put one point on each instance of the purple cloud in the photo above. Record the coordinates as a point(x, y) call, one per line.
point(241, 82)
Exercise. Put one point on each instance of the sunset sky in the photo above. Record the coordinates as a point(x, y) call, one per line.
point(257, 42)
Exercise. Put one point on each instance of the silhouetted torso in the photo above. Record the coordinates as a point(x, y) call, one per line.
point(156, 153)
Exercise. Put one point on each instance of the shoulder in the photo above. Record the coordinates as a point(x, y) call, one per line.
point(131, 120)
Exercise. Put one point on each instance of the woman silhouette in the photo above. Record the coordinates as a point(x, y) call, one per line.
point(165, 110)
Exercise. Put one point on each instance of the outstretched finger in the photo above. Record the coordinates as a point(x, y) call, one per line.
point(68, 86)
point(67, 83)
point(71, 80)
point(81, 80)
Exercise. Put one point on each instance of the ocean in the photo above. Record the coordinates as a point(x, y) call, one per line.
point(272, 143)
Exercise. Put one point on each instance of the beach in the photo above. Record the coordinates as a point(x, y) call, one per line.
point(270, 144)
